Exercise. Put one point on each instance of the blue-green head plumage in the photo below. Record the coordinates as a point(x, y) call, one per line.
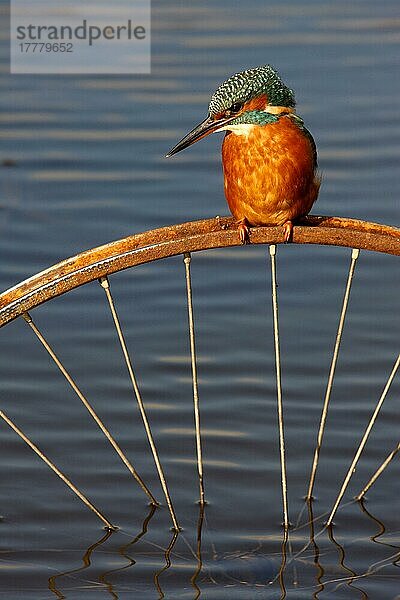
point(231, 103)
point(250, 84)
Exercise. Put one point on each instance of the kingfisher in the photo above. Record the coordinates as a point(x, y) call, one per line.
point(269, 158)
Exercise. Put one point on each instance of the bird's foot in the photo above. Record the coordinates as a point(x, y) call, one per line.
point(244, 231)
point(287, 231)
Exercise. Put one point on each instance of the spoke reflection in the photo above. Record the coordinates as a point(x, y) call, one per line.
point(346, 569)
point(86, 559)
point(193, 579)
point(123, 550)
point(167, 556)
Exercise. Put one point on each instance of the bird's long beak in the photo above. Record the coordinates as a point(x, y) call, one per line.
point(209, 125)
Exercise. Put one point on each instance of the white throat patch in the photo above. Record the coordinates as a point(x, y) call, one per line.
point(240, 129)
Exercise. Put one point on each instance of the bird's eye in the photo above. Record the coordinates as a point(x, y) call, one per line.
point(234, 109)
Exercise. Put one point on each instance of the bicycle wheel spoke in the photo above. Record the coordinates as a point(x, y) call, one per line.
point(354, 256)
point(105, 284)
point(187, 260)
point(363, 441)
point(272, 252)
point(378, 472)
point(57, 471)
point(88, 406)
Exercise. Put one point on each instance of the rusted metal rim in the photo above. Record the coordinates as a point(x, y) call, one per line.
point(186, 237)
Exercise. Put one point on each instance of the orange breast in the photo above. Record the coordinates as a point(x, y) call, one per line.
point(270, 174)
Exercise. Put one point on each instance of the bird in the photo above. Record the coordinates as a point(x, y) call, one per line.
point(269, 158)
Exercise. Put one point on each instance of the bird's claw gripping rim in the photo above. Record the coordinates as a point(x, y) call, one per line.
point(288, 231)
point(244, 232)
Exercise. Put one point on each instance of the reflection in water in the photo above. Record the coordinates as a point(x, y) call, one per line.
point(123, 550)
point(319, 568)
point(283, 563)
point(341, 553)
point(254, 569)
point(310, 523)
point(199, 566)
point(86, 559)
point(167, 555)
point(381, 526)
point(392, 559)
point(381, 531)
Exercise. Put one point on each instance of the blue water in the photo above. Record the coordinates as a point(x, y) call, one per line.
point(87, 167)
